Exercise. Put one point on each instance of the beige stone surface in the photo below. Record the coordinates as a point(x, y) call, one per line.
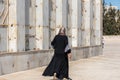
point(105, 67)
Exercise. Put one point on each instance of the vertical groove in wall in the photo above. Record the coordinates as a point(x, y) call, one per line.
point(79, 23)
point(46, 17)
point(69, 29)
point(92, 23)
point(32, 27)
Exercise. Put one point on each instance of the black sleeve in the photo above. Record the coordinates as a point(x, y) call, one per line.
point(66, 41)
point(53, 42)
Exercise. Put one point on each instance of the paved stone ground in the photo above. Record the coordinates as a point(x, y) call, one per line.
point(105, 67)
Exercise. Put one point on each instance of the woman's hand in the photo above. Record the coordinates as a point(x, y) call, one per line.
point(69, 56)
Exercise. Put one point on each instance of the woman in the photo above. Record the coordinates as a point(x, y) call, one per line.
point(59, 63)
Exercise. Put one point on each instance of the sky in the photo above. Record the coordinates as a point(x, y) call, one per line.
point(113, 2)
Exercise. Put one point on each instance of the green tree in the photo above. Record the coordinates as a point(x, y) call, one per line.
point(111, 20)
point(118, 21)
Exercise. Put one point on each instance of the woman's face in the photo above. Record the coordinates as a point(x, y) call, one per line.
point(62, 31)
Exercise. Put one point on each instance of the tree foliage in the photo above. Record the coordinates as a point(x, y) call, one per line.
point(111, 20)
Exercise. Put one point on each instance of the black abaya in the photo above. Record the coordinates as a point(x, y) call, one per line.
point(59, 62)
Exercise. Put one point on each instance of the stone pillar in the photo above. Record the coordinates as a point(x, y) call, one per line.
point(76, 23)
point(101, 21)
point(98, 20)
point(16, 25)
point(52, 19)
point(65, 13)
point(85, 23)
point(2, 7)
point(58, 15)
point(42, 24)
point(12, 43)
point(69, 29)
point(61, 14)
point(39, 24)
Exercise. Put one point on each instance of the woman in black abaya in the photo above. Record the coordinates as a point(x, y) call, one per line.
point(59, 64)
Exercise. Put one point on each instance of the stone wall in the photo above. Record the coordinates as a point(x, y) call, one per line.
point(20, 61)
point(32, 24)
